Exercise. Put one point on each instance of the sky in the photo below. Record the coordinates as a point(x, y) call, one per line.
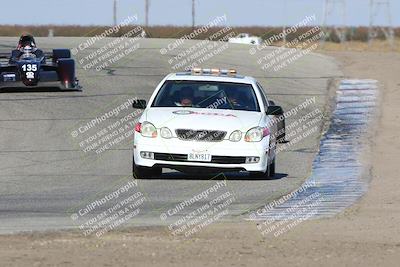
point(178, 12)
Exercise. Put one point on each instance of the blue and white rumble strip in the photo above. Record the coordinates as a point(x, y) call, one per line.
point(338, 175)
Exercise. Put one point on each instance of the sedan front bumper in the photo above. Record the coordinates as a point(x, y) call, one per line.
point(224, 155)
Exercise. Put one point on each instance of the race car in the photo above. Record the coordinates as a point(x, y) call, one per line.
point(27, 66)
point(207, 121)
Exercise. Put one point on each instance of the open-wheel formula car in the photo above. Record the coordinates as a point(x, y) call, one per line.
point(30, 67)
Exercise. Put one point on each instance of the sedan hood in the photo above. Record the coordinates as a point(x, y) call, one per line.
point(202, 119)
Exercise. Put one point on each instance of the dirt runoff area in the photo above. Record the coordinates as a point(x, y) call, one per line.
point(367, 234)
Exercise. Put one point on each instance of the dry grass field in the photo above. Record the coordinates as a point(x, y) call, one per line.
point(170, 31)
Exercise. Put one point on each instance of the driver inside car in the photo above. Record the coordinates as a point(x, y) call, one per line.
point(234, 97)
point(26, 45)
point(238, 99)
point(186, 96)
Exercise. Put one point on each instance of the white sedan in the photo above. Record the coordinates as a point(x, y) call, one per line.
point(207, 120)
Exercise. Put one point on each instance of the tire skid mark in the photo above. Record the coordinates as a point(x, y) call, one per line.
point(338, 173)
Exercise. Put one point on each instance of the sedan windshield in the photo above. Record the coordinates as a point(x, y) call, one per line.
point(205, 94)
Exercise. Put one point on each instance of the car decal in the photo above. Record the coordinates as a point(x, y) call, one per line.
point(189, 112)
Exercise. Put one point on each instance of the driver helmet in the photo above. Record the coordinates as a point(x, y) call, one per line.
point(26, 40)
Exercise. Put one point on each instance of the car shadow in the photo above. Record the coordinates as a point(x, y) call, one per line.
point(219, 176)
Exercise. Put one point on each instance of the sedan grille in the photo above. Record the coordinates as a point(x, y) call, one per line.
point(200, 135)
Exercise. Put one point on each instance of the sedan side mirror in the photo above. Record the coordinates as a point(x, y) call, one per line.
point(139, 104)
point(274, 110)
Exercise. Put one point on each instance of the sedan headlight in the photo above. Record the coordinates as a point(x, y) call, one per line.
point(256, 134)
point(235, 136)
point(165, 133)
point(148, 130)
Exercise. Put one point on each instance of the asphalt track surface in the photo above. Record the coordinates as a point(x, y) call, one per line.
point(45, 177)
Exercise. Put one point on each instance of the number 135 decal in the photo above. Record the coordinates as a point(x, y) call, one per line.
point(29, 70)
point(29, 67)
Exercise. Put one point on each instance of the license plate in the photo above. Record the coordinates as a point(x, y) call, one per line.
point(199, 157)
